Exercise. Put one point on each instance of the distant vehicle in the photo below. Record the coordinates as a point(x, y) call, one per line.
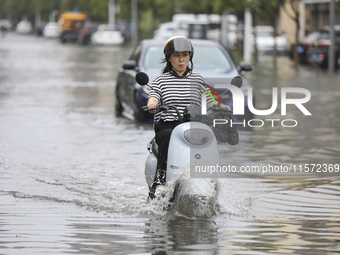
point(107, 35)
point(5, 24)
point(303, 47)
point(24, 27)
point(232, 36)
point(39, 28)
point(69, 25)
point(85, 34)
point(164, 31)
point(202, 26)
point(210, 59)
point(212, 21)
point(198, 30)
point(265, 40)
point(318, 52)
point(51, 30)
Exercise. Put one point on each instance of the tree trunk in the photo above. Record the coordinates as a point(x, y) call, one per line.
point(256, 53)
point(275, 46)
point(296, 53)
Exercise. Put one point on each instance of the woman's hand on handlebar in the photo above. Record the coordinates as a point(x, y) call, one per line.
point(225, 109)
point(152, 103)
point(221, 108)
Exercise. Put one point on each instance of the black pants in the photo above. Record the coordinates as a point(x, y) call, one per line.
point(163, 132)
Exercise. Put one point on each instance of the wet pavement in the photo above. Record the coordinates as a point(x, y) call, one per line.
point(73, 174)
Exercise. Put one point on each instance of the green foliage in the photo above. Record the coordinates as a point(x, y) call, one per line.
point(232, 6)
point(150, 12)
point(21, 9)
point(265, 9)
point(189, 6)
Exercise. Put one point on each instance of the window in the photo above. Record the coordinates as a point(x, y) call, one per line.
point(212, 59)
point(136, 53)
point(153, 58)
point(206, 58)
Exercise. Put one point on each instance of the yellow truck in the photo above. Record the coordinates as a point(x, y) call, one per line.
point(69, 25)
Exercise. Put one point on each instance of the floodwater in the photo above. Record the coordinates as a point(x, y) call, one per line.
point(72, 177)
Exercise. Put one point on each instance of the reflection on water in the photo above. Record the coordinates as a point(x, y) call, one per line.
point(72, 177)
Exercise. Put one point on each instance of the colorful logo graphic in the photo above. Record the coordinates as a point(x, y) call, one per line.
point(209, 93)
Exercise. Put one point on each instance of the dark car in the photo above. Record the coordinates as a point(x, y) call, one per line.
point(210, 59)
point(303, 47)
point(318, 52)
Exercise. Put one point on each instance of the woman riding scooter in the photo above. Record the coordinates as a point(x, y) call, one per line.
point(178, 86)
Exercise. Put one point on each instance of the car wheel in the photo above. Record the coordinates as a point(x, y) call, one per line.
point(136, 109)
point(324, 64)
point(118, 106)
point(62, 38)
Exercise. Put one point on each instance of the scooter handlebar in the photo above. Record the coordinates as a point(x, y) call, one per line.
point(159, 107)
point(163, 107)
point(220, 109)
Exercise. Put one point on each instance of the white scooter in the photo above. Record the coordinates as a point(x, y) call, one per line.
point(192, 144)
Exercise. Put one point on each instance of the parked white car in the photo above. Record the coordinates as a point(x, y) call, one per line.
point(164, 31)
point(5, 24)
point(107, 35)
point(265, 40)
point(24, 27)
point(51, 30)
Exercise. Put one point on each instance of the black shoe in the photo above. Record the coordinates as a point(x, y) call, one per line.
point(159, 180)
point(160, 177)
point(156, 190)
point(152, 190)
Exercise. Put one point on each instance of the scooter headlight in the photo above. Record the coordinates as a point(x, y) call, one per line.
point(197, 136)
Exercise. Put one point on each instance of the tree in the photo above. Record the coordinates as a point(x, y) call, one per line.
point(267, 10)
point(189, 6)
point(295, 5)
point(232, 6)
point(17, 10)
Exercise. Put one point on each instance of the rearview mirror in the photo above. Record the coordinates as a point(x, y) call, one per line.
point(142, 78)
point(245, 67)
point(237, 81)
point(129, 64)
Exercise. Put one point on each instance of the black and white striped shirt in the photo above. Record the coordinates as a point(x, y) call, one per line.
point(179, 92)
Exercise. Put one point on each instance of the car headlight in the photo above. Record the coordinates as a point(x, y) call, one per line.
point(197, 136)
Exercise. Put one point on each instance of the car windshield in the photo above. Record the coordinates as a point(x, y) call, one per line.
point(311, 37)
point(325, 35)
point(206, 58)
point(264, 34)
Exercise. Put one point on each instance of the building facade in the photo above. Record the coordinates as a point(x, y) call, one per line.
point(314, 14)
